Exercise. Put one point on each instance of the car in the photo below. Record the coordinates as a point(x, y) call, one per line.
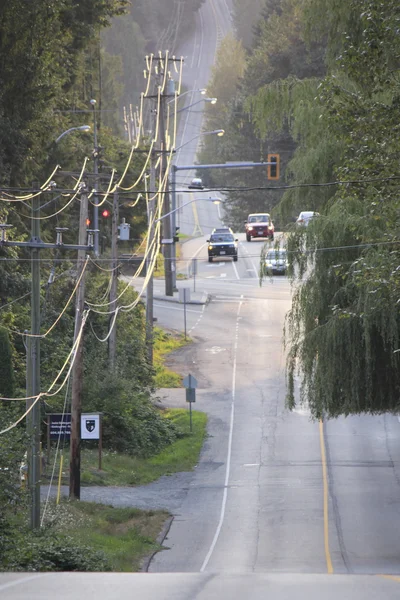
point(259, 225)
point(222, 244)
point(276, 261)
point(222, 229)
point(196, 184)
point(305, 217)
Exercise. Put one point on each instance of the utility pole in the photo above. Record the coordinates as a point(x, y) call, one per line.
point(150, 287)
point(96, 181)
point(35, 244)
point(167, 224)
point(112, 340)
point(33, 373)
point(77, 369)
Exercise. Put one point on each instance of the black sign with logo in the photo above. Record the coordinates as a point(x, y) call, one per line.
point(90, 424)
point(60, 426)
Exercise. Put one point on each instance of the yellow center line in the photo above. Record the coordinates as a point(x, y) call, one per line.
point(326, 496)
point(392, 577)
point(197, 227)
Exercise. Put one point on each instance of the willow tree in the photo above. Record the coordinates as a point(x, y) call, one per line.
point(343, 331)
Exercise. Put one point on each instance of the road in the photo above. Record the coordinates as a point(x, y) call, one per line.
point(274, 491)
point(212, 24)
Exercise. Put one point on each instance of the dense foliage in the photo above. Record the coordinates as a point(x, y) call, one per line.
point(343, 329)
point(279, 50)
point(53, 60)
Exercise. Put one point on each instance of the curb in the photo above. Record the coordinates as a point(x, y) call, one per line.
point(160, 540)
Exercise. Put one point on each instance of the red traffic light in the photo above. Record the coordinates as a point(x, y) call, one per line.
point(87, 222)
point(105, 213)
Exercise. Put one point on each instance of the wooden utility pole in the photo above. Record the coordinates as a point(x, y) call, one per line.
point(167, 222)
point(77, 369)
point(33, 373)
point(112, 340)
point(149, 266)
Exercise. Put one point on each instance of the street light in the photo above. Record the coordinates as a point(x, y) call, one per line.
point(201, 91)
point(209, 100)
point(171, 212)
point(218, 132)
point(80, 128)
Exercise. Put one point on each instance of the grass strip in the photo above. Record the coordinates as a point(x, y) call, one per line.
point(124, 470)
point(124, 535)
point(164, 343)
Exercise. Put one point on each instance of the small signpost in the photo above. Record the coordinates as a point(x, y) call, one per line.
point(59, 428)
point(190, 384)
point(184, 296)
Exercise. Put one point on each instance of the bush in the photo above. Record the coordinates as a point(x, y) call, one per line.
point(51, 552)
point(131, 423)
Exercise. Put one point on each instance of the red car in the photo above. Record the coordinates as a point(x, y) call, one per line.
point(259, 225)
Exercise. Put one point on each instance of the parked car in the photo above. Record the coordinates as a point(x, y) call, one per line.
point(305, 217)
point(259, 225)
point(222, 244)
point(276, 261)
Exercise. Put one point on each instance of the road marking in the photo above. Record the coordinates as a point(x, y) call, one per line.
point(20, 580)
point(326, 515)
point(229, 454)
point(176, 308)
point(251, 260)
point(198, 320)
point(197, 226)
point(201, 39)
point(222, 275)
point(236, 271)
point(392, 577)
point(194, 46)
point(251, 465)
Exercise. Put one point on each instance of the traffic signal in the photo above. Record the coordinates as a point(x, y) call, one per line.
point(176, 236)
point(105, 213)
point(87, 222)
point(273, 168)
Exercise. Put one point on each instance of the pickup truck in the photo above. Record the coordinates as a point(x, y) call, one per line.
point(259, 225)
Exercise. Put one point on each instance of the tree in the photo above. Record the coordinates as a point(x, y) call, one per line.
point(6, 365)
point(343, 331)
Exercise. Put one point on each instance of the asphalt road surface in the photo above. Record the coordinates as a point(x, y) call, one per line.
point(212, 23)
point(274, 491)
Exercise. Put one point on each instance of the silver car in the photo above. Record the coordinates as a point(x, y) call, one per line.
point(305, 217)
point(276, 261)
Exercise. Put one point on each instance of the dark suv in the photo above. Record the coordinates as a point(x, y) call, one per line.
point(222, 244)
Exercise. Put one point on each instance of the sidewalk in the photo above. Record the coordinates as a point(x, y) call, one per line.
point(159, 290)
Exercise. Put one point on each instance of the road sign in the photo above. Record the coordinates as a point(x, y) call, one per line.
point(190, 395)
point(184, 294)
point(190, 382)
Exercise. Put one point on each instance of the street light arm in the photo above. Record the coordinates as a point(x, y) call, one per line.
point(211, 100)
point(201, 91)
point(80, 128)
point(213, 200)
point(218, 132)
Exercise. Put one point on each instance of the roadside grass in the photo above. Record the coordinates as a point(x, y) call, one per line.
point(164, 343)
point(124, 470)
point(125, 535)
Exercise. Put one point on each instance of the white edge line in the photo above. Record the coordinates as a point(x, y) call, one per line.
point(20, 581)
point(228, 458)
point(201, 39)
point(235, 269)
